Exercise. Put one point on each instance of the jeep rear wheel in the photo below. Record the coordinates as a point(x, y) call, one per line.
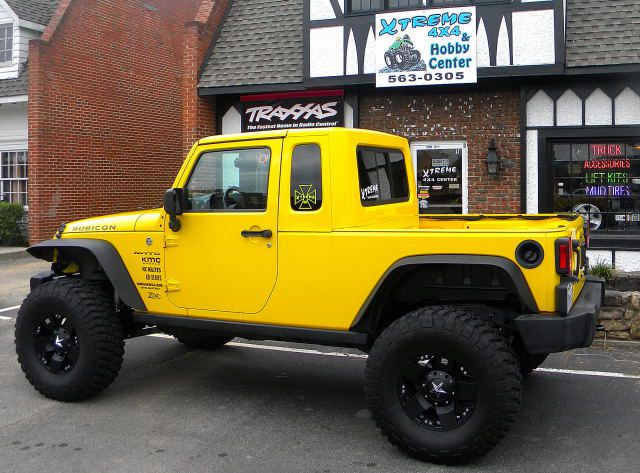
point(442, 385)
point(69, 341)
point(197, 339)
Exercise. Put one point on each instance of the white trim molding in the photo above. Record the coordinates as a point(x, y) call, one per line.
point(14, 99)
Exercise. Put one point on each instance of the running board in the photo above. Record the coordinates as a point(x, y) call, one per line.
point(258, 331)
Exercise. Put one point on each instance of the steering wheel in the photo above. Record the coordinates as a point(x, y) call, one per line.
point(202, 202)
point(238, 202)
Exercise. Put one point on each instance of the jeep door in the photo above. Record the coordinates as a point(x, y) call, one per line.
point(223, 261)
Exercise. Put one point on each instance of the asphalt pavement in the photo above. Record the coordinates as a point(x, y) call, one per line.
point(281, 407)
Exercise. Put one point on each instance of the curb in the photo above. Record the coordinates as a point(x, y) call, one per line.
point(600, 343)
point(14, 255)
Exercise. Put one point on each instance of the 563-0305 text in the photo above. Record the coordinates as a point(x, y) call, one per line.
point(426, 77)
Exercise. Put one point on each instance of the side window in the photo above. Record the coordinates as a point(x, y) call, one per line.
point(383, 176)
point(306, 178)
point(230, 180)
point(6, 43)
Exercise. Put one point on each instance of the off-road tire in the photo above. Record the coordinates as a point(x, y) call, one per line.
point(528, 363)
point(457, 333)
point(90, 310)
point(197, 339)
point(390, 59)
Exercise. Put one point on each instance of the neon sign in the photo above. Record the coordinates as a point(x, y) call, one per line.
point(607, 150)
point(608, 191)
point(608, 164)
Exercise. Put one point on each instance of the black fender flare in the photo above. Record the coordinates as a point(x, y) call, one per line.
point(108, 258)
point(514, 272)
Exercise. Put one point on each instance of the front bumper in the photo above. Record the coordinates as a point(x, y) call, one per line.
point(555, 333)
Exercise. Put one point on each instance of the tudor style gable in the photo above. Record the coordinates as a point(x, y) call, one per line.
point(516, 37)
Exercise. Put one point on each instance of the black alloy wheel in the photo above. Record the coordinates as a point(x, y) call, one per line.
point(437, 392)
point(56, 342)
point(443, 385)
point(69, 338)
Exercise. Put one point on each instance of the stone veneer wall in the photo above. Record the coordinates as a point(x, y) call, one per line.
point(620, 315)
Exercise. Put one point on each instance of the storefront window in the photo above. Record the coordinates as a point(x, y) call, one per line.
point(439, 179)
point(601, 181)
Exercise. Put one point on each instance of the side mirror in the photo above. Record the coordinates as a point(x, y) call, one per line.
point(174, 205)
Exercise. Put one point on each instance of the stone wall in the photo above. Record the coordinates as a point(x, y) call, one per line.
point(620, 315)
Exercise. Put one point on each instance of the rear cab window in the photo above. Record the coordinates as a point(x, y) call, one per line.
point(306, 178)
point(383, 176)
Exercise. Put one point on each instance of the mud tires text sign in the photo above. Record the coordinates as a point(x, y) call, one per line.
point(426, 47)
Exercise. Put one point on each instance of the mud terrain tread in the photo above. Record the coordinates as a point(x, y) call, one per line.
point(460, 323)
point(92, 308)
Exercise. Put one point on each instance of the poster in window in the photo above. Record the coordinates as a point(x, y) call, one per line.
point(439, 180)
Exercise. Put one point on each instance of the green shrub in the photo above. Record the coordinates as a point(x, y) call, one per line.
point(10, 215)
point(602, 270)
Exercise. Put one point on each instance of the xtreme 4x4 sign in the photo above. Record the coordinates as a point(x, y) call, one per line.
point(426, 47)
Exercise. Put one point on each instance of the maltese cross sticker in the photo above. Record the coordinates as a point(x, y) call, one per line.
point(305, 198)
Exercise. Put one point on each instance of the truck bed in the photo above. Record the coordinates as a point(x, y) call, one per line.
point(514, 222)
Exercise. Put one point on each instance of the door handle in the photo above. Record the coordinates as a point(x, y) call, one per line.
point(258, 234)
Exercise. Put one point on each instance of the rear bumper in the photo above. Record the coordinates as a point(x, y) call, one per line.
point(554, 333)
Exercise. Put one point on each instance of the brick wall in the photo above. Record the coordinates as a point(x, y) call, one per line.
point(199, 118)
point(109, 91)
point(474, 118)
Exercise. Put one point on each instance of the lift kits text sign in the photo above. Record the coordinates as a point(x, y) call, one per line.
point(426, 47)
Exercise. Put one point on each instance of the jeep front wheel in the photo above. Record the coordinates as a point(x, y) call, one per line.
point(69, 341)
point(442, 385)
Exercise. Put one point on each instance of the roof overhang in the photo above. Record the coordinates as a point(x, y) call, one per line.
point(608, 69)
point(249, 89)
point(30, 25)
point(14, 99)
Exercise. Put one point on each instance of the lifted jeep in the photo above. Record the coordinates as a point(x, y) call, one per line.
point(452, 309)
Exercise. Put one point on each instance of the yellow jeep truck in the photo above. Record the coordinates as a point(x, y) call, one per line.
point(314, 236)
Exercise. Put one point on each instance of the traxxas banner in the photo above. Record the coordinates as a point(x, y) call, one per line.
point(293, 110)
point(426, 47)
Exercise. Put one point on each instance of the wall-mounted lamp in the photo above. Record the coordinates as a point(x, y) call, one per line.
point(494, 163)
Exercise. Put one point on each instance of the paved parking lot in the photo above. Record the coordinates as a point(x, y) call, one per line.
point(250, 409)
point(276, 407)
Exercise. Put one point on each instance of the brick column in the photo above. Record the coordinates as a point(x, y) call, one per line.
point(199, 113)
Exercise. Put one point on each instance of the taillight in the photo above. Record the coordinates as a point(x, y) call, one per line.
point(564, 256)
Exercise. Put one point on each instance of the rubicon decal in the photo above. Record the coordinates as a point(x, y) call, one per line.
point(93, 228)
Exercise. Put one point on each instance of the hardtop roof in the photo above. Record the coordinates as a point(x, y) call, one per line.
point(266, 135)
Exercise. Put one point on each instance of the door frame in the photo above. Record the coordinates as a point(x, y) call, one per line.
point(424, 144)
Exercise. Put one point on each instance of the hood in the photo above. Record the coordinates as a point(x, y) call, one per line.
point(148, 220)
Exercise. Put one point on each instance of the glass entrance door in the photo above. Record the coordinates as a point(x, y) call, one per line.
point(441, 177)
